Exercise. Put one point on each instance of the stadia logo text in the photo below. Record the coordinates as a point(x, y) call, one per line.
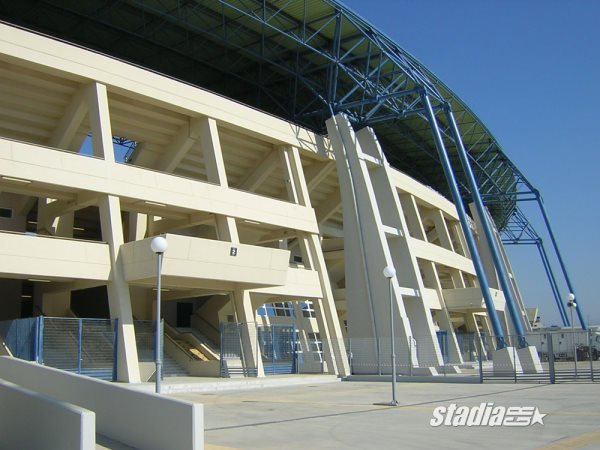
point(486, 415)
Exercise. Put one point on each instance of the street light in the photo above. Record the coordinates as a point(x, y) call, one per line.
point(572, 305)
point(389, 272)
point(158, 246)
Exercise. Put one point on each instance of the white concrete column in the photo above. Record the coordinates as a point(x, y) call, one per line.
point(415, 224)
point(215, 173)
point(457, 279)
point(244, 314)
point(444, 321)
point(487, 329)
point(405, 261)
point(118, 291)
point(442, 230)
point(138, 226)
point(367, 251)
point(97, 99)
point(312, 253)
point(458, 231)
point(413, 217)
point(472, 326)
point(64, 225)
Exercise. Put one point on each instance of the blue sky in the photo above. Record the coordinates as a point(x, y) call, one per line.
point(529, 70)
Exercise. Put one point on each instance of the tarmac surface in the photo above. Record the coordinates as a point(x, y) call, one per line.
point(344, 415)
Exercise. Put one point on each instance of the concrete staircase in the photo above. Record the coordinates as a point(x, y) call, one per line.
point(171, 368)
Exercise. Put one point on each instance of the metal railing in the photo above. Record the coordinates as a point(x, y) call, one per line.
point(563, 355)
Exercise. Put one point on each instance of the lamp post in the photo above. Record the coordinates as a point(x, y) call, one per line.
point(572, 305)
point(158, 246)
point(389, 272)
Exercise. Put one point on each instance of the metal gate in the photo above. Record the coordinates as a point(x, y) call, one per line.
point(442, 336)
point(84, 346)
point(277, 348)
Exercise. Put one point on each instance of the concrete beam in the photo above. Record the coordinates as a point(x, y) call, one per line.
point(260, 172)
point(70, 121)
point(180, 145)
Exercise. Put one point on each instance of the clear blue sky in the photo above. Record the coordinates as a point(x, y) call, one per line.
point(530, 70)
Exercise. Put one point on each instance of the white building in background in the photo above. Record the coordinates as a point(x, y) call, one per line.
point(260, 215)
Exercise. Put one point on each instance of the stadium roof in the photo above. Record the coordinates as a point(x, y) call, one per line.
point(301, 60)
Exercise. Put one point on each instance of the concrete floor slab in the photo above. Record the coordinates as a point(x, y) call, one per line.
point(343, 415)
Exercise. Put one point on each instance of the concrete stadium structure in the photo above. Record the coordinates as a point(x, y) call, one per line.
point(262, 210)
point(214, 175)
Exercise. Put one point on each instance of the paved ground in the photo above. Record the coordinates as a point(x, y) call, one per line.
point(343, 415)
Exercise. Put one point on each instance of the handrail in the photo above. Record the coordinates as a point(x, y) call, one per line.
point(189, 355)
point(5, 348)
point(203, 345)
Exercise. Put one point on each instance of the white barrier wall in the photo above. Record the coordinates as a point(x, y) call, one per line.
point(32, 420)
point(134, 418)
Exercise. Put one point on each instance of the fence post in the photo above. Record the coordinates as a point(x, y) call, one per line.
point(162, 346)
point(515, 361)
point(480, 358)
point(79, 346)
point(378, 345)
point(350, 356)
point(257, 345)
point(590, 354)
point(41, 341)
point(221, 349)
point(551, 358)
point(410, 366)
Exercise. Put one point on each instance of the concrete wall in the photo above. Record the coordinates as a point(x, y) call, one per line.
point(134, 418)
point(32, 420)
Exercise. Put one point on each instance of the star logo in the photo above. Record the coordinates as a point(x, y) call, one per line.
point(538, 417)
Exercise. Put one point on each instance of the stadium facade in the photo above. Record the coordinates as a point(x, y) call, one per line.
point(269, 221)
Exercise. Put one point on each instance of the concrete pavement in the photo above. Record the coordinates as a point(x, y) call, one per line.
point(343, 415)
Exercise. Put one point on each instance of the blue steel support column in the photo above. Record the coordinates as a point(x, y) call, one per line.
point(561, 262)
point(460, 208)
point(504, 283)
point(553, 285)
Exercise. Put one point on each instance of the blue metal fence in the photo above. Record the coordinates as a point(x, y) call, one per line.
point(21, 337)
point(442, 336)
point(277, 347)
point(83, 346)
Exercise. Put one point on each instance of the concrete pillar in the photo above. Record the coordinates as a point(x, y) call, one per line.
point(215, 173)
point(244, 314)
point(443, 316)
point(442, 229)
point(487, 329)
point(137, 226)
point(472, 326)
point(118, 291)
point(365, 182)
point(97, 100)
point(392, 216)
point(328, 321)
point(415, 224)
point(64, 225)
point(56, 226)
